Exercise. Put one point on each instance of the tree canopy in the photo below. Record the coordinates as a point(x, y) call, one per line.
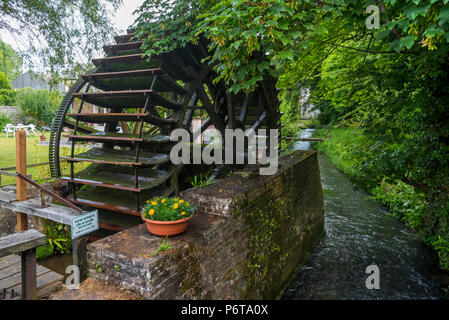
point(64, 34)
point(286, 30)
point(10, 61)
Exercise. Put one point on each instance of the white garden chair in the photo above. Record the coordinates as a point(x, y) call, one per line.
point(20, 126)
point(9, 128)
point(32, 129)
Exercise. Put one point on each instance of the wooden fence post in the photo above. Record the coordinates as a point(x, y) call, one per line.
point(21, 185)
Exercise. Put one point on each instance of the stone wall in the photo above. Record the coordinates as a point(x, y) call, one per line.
point(16, 115)
point(250, 235)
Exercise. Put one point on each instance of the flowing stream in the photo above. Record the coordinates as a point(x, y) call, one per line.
point(358, 233)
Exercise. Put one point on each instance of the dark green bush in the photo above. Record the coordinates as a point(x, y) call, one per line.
point(4, 83)
point(41, 105)
point(4, 119)
point(7, 97)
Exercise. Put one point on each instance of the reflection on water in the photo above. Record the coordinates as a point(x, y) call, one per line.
point(57, 263)
point(360, 233)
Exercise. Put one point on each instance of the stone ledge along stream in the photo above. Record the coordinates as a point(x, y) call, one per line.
point(359, 233)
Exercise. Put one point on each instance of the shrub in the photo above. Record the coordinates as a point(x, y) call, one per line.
point(4, 83)
point(4, 119)
point(7, 97)
point(41, 105)
point(58, 237)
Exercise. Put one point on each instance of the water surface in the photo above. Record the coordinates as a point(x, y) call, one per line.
point(359, 233)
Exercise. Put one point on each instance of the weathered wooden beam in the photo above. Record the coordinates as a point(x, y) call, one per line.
point(216, 119)
point(7, 197)
point(79, 255)
point(29, 275)
point(21, 185)
point(19, 242)
point(33, 207)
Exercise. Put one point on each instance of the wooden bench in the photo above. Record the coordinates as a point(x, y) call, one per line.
point(24, 243)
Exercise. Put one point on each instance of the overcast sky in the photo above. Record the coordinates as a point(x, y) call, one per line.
point(124, 17)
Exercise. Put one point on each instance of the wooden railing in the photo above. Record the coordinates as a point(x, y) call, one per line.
point(11, 171)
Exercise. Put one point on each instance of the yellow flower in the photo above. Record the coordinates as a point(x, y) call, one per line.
point(163, 200)
point(175, 206)
point(181, 201)
point(148, 201)
point(176, 199)
point(154, 203)
point(151, 212)
point(183, 213)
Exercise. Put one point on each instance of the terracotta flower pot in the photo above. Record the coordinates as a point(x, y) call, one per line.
point(167, 228)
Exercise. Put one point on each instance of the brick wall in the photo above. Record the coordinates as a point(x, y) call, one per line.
point(249, 236)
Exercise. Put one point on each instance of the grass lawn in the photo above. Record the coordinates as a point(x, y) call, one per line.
point(35, 154)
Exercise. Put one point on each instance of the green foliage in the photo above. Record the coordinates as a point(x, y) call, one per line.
point(98, 267)
point(41, 105)
point(4, 119)
point(10, 61)
point(58, 237)
point(201, 181)
point(167, 209)
point(44, 251)
point(60, 33)
point(246, 38)
point(403, 201)
point(7, 97)
point(4, 83)
point(163, 246)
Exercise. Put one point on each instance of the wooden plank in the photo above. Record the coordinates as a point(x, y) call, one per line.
point(126, 98)
point(45, 292)
point(101, 184)
point(123, 74)
point(21, 185)
point(115, 117)
point(106, 206)
point(53, 212)
point(9, 260)
point(122, 178)
point(10, 270)
point(46, 283)
point(60, 214)
point(19, 242)
point(110, 227)
point(118, 137)
point(124, 37)
point(114, 48)
point(130, 58)
point(7, 196)
point(16, 280)
point(119, 157)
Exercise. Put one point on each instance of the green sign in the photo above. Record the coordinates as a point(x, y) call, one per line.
point(84, 224)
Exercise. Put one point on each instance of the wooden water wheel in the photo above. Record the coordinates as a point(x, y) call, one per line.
point(138, 103)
